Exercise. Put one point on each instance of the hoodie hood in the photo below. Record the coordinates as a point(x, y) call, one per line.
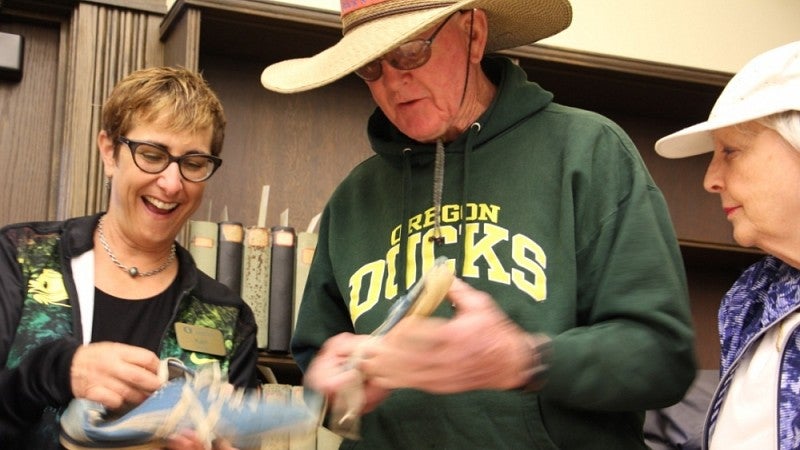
point(517, 99)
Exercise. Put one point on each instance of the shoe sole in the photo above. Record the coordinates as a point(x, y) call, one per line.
point(434, 288)
point(72, 445)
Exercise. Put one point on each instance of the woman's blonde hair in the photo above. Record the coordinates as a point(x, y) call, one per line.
point(174, 97)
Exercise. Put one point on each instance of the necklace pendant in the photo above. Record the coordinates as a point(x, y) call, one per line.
point(132, 271)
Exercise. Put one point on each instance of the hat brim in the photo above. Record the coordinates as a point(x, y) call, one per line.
point(766, 85)
point(697, 139)
point(690, 141)
point(515, 22)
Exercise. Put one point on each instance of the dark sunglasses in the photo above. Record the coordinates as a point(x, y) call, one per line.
point(407, 56)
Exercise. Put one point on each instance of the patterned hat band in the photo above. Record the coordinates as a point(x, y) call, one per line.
point(358, 12)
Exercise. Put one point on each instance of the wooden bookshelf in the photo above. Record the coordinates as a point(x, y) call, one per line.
point(283, 366)
point(302, 145)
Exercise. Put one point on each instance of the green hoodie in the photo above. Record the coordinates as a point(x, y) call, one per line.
point(551, 210)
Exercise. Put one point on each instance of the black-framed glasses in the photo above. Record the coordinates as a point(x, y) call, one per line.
point(155, 158)
point(407, 56)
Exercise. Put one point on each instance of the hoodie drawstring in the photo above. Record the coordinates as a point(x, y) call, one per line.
point(438, 186)
point(474, 130)
point(401, 257)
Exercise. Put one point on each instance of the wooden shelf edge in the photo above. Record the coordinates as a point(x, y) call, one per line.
point(718, 247)
point(649, 69)
point(262, 9)
point(303, 15)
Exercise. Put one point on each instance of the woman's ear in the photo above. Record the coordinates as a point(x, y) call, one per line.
point(106, 147)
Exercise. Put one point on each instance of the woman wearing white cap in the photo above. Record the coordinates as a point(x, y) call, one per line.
point(546, 214)
point(754, 132)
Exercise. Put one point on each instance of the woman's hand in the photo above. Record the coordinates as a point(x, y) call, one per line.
point(114, 374)
point(188, 440)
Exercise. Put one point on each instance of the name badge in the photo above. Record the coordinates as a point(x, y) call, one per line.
point(195, 338)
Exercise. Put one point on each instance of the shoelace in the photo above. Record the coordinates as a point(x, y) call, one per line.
point(190, 408)
point(220, 395)
point(206, 399)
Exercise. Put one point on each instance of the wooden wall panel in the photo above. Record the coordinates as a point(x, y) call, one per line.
point(105, 44)
point(696, 214)
point(27, 126)
point(710, 273)
point(707, 286)
point(182, 43)
point(301, 145)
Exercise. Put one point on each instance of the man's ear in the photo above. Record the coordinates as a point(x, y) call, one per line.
point(480, 33)
point(106, 147)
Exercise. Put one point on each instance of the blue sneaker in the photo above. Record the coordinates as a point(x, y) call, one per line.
point(200, 401)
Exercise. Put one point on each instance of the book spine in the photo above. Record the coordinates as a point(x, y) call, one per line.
point(279, 395)
point(255, 278)
point(203, 245)
point(306, 246)
point(230, 251)
point(304, 437)
point(281, 296)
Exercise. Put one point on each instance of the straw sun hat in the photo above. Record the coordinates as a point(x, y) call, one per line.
point(373, 27)
point(768, 84)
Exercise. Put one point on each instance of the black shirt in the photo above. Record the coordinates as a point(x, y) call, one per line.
point(133, 322)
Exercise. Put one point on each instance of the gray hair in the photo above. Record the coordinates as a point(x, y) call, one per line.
point(787, 124)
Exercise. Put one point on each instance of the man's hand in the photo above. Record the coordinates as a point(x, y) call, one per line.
point(331, 371)
point(479, 348)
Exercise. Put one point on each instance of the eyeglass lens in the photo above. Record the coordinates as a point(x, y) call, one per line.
point(152, 159)
point(409, 55)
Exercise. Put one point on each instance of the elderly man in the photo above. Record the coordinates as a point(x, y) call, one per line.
point(569, 315)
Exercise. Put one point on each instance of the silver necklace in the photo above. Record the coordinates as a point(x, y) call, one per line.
point(132, 271)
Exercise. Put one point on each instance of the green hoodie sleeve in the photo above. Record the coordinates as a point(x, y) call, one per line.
point(634, 347)
point(322, 307)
